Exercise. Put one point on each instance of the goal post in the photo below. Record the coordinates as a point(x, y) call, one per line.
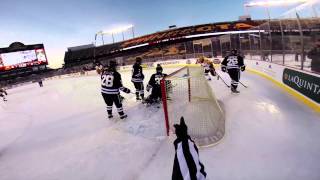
point(186, 93)
point(166, 87)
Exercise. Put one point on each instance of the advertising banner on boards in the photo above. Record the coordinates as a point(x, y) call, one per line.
point(306, 84)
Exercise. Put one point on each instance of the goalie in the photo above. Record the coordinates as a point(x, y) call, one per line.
point(154, 84)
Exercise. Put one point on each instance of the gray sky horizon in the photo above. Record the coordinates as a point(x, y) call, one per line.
point(61, 24)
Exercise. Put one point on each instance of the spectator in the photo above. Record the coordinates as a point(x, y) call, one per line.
point(314, 55)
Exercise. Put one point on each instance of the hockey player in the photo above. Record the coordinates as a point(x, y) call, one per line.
point(99, 67)
point(137, 79)
point(40, 82)
point(110, 86)
point(3, 94)
point(154, 84)
point(186, 164)
point(207, 66)
point(232, 64)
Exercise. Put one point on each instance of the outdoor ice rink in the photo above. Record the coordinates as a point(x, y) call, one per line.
point(61, 131)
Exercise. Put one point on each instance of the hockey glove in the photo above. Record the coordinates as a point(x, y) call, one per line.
point(224, 69)
point(125, 90)
point(148, 87)
point(121, 98)
point(181, 129)
point(243, 68)
point(213, 72)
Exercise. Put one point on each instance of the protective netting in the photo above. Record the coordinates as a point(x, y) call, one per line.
point(188, 94)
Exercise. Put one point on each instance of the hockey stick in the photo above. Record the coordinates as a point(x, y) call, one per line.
point(243, 84)
point(222, 80)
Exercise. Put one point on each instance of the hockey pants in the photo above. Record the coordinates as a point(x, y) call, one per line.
point(235, 77)
point(109, 99)
point(139, 89)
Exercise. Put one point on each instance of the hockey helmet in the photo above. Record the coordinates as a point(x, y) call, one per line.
point(201, 58)
point(159, 69)
point(111, 65)
point(234, 51)
point(138, 60)
point(97, 63)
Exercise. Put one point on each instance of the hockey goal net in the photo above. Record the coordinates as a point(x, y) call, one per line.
point(186, 93)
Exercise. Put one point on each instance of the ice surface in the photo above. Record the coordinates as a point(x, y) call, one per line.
point(60, 131)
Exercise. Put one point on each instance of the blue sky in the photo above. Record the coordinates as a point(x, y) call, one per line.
point(60, 24)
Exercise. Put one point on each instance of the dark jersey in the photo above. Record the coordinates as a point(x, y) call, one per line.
point(137, 75)
point(111, 82)
point(2, 91)
point(155, 79)
point(232, 62)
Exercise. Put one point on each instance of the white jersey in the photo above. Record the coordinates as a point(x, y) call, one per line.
point(206, 66)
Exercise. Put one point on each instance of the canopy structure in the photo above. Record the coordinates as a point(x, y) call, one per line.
point(112, 32)
point(273, 3)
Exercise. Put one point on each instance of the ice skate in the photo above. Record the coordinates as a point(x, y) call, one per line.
point(123, 116)
point(233, 90)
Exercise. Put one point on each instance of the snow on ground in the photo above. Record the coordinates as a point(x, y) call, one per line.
point(60, 131)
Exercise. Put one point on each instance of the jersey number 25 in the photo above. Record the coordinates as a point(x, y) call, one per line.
point(107, 80)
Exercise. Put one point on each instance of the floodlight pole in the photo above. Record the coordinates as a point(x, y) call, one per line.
point(202, 49)
point(314, 11)
point(94, 48)
point(185, 48)
point(282, 42)
point(250, 46)
point(132, 29)
point(230, 42)
point(211, 48)
point(269, 23)
point(260, 43)
point(112, 37)
point(240, 48)
point(220, 46)
point(246, 10)
point(194, 53)
point(301, 40)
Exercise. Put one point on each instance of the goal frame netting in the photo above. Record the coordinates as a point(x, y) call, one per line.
point(164, 95)
point(186, 92)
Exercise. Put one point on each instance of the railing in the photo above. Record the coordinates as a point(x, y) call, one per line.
point(291, 40)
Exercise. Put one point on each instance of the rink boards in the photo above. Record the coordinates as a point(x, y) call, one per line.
point(302, 85)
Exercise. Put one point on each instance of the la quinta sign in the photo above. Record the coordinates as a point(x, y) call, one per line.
point(306, 84)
